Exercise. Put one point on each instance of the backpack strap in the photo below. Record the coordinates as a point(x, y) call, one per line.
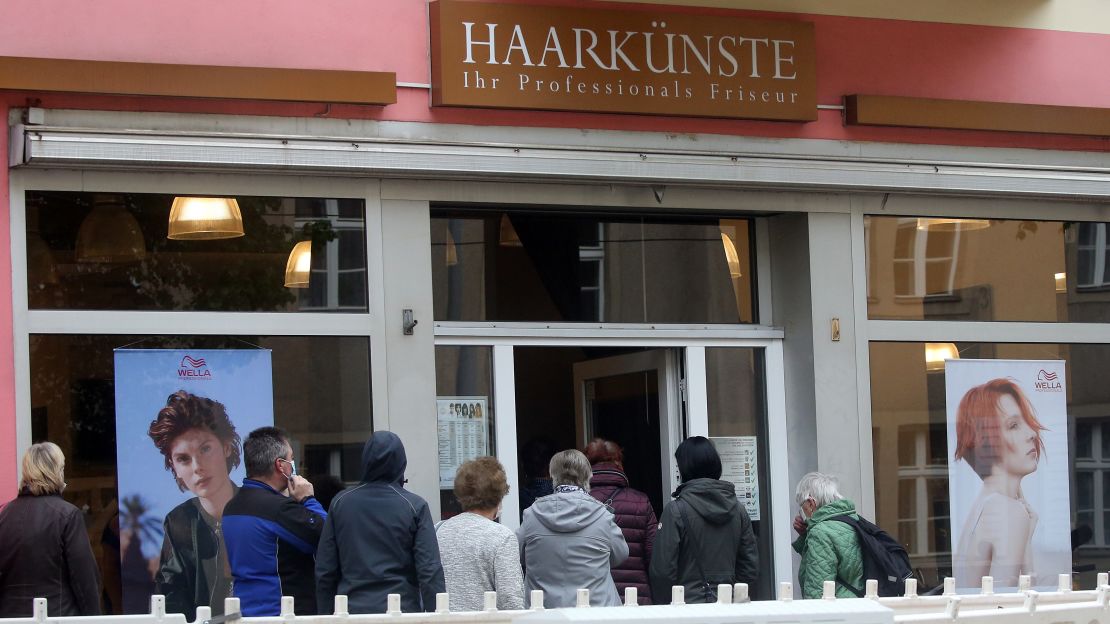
point(697, 548)
point(609, 502)
point(847, 519)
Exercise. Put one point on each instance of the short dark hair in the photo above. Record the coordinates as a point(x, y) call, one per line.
point(481, 484)
point(262, 447)
point(185, 411)
point(698, 459)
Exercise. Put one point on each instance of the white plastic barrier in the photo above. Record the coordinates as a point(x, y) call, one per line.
point(1063, 606)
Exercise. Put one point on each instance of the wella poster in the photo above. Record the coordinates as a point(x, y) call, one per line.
point(181, 417)
point(1008, 471)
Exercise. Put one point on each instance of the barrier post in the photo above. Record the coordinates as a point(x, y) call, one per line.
point(952, 609)
point(724, 593)
point(630, 597)
point(583, 598)
point(1064, 583)
point(231, 605)
point(1025, 582)
point(786, 591)
point(828, 590)
point(158, 606)
point(203, 613)
point(341, 606)
point(872, 589)
point(537, 600)
point(490, 598)
point(288, 610)
point(911, 588)
point(740, 593)
point(39, 609)
point(1030, 601)
point(678, 595)
point(988, 586)
point(393, 604)
point(949, 586)
point(443, 602)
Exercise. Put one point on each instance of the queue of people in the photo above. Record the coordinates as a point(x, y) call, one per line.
point(592, 531)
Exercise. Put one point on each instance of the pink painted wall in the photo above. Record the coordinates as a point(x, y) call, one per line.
point(855, 55)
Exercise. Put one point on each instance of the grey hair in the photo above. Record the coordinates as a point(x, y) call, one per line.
point(821, 488)
point(43, 469)
point(262, 448)
point(570, 467)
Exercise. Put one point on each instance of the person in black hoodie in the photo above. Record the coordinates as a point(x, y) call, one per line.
point(705, 536)
point(379, 539)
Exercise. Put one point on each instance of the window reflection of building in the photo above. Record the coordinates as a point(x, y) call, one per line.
point(343, 263)
point(1091, 256)
point(591, 267)
point(923, 519)
point(1092, 479)
point(925, 260)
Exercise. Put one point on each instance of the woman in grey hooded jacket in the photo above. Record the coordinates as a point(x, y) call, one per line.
point(569, 540)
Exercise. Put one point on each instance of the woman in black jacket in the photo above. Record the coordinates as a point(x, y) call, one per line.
point(44, 549)
point(705, 536)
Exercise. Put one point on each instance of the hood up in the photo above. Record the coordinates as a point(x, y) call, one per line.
point(567, 512)
point(383, 459)
point(713, 499)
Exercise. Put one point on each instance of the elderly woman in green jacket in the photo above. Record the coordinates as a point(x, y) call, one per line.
point(829, 548)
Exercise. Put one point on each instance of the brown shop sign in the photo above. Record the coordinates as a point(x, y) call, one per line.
point(629, 61)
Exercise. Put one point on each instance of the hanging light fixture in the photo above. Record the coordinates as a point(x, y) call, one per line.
point(508, 236)
point(299, 265)
point(452, 250)
point(109, 234)
point(205, 218)
point(731, 256)
point(1061, 282)
point(952, 225)
point(937, 352)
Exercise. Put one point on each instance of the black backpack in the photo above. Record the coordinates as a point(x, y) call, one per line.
point(884, 559)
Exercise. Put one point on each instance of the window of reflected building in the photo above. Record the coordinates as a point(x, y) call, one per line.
point(578, 267)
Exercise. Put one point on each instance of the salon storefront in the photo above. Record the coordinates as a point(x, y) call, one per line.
point(641, 224)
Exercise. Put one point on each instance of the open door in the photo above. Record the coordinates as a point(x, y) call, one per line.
point(634, 400)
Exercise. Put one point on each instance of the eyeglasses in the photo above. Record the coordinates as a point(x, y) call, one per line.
point(292, 466)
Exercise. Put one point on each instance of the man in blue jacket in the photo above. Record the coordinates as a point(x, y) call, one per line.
point(271, 538)
point(379, 539)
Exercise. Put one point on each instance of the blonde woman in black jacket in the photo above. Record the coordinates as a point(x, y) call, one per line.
point(44, 549)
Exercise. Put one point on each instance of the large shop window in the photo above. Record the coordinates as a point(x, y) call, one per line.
point(129, 251)
point(987, 270)
point(541, 266)
point(465, 414)
point(913, 457)
point(321, 396)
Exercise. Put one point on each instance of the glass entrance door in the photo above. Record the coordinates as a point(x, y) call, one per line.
point(633, 400)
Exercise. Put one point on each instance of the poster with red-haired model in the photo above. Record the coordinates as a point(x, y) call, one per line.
point(1008, 471)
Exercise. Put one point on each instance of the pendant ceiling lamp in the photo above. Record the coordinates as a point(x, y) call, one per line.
point(205, 218)
point(937, 352)
point(109, 234)
point(508, 236)
point(731, 256)
point(952, 225)
point(299, 265)
point(452, 250)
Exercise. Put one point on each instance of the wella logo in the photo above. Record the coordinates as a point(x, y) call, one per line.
point(1047, 382)
point(193, 369)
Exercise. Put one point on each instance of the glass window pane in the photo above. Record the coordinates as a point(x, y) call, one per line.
point(535, 266)
point(734, 382)
point(907, 499)
point(980, 270)
point(904, 394)
point(328, 415)
point(464, 388)
point(110, 251)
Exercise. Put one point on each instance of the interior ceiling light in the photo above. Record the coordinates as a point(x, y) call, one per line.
point(937, 352)
point(952, 225)
point(109, 234)
point(731, 255)
point(299, 265)
point(452, 250)
point(205, 218)
point(508, 236)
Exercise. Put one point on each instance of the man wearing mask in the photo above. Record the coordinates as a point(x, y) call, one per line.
point(379, 539)
point(271, 538)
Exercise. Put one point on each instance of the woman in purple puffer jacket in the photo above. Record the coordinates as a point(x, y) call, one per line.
point(633, 511)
